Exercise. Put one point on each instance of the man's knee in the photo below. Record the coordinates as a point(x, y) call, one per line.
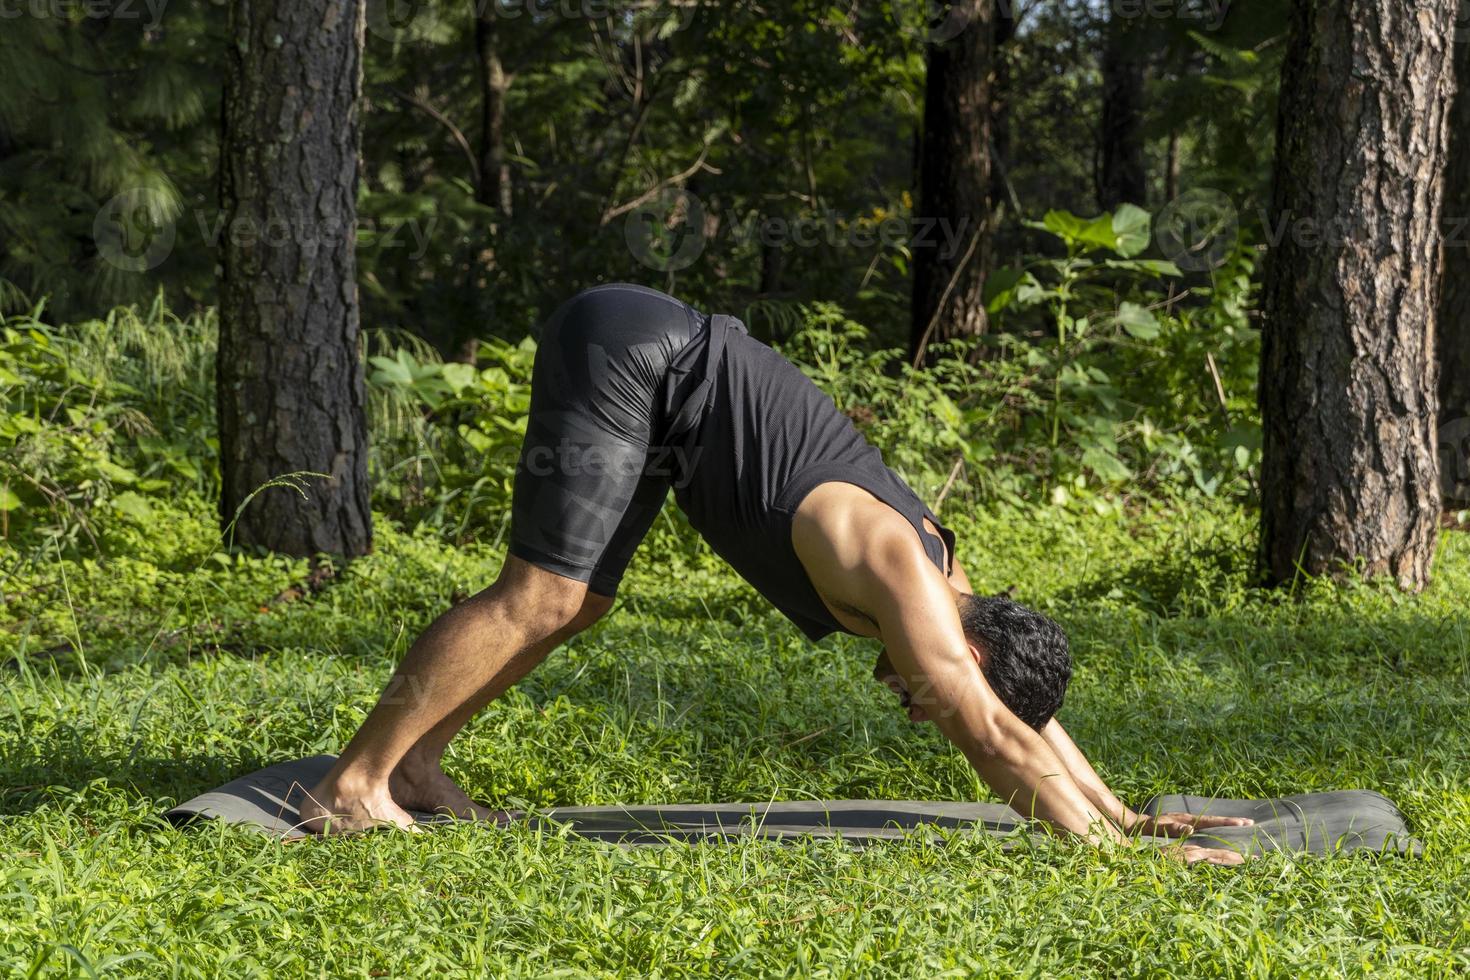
point(594, 607)
point(545, 604)
point(567, 611)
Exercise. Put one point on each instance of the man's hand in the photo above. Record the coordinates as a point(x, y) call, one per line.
point(1182, 824)
point(1190, 854)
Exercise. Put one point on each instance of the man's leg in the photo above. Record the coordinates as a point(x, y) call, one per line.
point(474, 651)
point(583, 499)
point(419, 782)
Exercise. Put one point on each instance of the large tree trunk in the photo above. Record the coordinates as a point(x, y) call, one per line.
point(1454, 307)
point(494, 186)
point(291, 393)
point(1000, 116)
point(951, 246)
point(1348, 376)
point(1122, 176)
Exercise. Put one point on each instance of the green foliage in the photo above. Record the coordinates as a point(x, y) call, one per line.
point(107, 128)
point(1127, 391)
point(1100, 384)
point(447, 435)
point(107, 417)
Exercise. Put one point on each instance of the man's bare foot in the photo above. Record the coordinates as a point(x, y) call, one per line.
point(332, 808)
point(422, 786)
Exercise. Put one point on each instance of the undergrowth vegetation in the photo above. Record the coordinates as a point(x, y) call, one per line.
point(1108, 377)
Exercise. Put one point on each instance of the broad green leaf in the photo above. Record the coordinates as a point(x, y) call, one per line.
point(1100, 233)
point(1000, 288)
point(1030, 291)
point(1064, 224)
point(391, 371)
point(1131, 226)
point(459, 376)
point(133, 506)
point(1156, 267)
point(1137, 321)
point(116, 473)
point(8, 499)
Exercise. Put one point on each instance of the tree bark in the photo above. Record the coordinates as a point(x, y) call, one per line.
point(290, 383)
point(1347, 386)
point(1123, 177)
point(494, 186)
point(1000, 106)
point(1172, 168)
point(1454, 307)
point(951, 244)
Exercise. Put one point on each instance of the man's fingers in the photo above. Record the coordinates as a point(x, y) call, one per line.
point(1212, 855)
point(1205, 822)
point(1184, 824)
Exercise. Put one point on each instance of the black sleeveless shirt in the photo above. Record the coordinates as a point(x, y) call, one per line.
point(758, 436)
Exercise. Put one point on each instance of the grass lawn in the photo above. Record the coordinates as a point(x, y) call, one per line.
point(181, 669)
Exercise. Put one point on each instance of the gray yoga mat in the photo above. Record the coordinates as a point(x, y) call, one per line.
point(1317, 822)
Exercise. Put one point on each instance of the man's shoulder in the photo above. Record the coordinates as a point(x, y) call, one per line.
point(852, 523)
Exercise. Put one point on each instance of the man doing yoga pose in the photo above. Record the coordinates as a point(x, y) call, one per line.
point(634, 393)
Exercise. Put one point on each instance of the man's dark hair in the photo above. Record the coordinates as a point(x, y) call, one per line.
point(1023, 655)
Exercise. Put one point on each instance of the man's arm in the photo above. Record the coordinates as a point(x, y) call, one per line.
point(1092, 785)
point(1086, 777)
point(1081, 771)
point(913, 608)
point(868, 566)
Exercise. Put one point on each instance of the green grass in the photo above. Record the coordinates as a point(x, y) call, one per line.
point(144, 681)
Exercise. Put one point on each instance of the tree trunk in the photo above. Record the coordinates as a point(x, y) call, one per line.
point(1172, 169)
point(951, 244)
point(494, 187)
point(1454, 307)
point(1123, 178)
point(1347, 384)
point(1000, 107)
point(290, 383)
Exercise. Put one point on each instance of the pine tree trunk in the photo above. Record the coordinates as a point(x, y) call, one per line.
point(291, 393)
point(1000, 109)
point(1454, 307)
point(951, 243)
point(1172, 164)
point(1348, 375)
point(1123, 178)
point(494, 188)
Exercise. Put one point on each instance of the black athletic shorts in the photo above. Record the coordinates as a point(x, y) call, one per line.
point(596, 466)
